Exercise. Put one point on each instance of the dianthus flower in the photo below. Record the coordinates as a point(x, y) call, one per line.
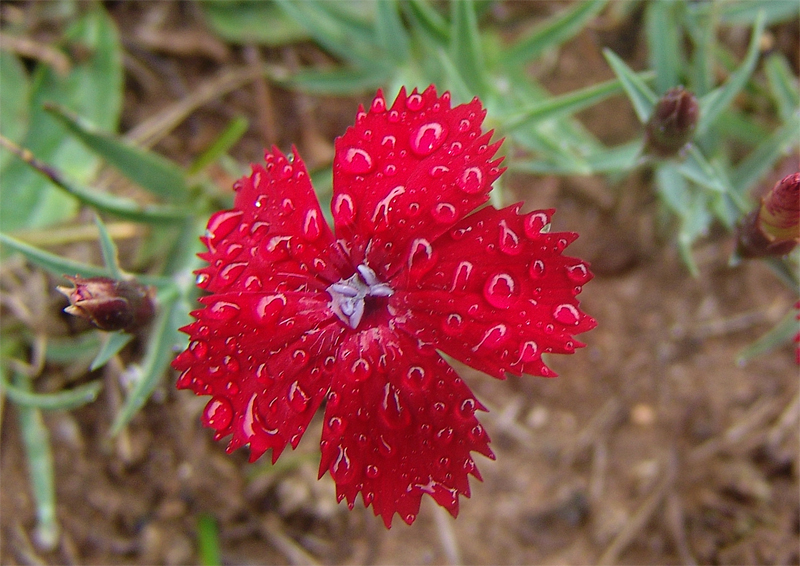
point(298, 316)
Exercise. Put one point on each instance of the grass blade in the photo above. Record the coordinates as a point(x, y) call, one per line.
point(57, 265)
point(109, 250)
point(783, 85)
point(235, 129)
point(113, 344)
point(640, 95)
point(780, 334)
point(664, 46)
point(465, 46)
point(61, 401)
point(391, 33)
point(208, 541)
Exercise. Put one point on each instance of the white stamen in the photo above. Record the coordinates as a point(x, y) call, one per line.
point(348, 295)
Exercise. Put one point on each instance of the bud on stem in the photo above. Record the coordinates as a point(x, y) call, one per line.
point(773, 229)
point(110, 304)
point(672, 123)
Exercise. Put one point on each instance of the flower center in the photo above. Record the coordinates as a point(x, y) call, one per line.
point(348, 295)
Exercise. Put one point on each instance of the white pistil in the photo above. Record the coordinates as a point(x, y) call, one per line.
point(348, 295)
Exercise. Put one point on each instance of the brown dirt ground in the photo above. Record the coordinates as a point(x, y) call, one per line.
point(653, 446)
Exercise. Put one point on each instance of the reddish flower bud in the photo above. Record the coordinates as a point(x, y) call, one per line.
point(110, 304)
point(774, 228)
point(672, 124)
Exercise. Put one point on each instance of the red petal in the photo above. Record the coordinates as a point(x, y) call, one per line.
point(499, 293)
point(407, 173)
point(399, 424)
point(275, 238)
point(266, 360)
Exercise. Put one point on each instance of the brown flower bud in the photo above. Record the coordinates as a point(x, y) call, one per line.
point(110, 304)
point(672, 123)
point(774, 228)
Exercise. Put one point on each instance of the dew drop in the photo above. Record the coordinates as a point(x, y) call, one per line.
point(357, 161)
point(262, 375)
point(534, 223)
point(199, 349)
point(336, 425)
point(389, 142)
point(463, 126)
point(311, 226)
point(578, 273)
point(202, 280)
point(467, 408)
point(392, 410)
point(509, 241)
point(223, 310)
point(500, 290)
point(384, 448)
point(417, 377)
point(342, 469)
point(428, 138)
point(536, 269)
point(439, 171)
point(297, 397)
point(232, 388)
point(372, 471)
point(414, 102)
point(220, 225)
point(287, 206)
point(360, 370)
point(453, 324)
point(333, 400)
point(528, 351)
point(471, 181)
point(218, 414)
point(444, 213)
point(394, 116)
point(444, 436)
point(231, 364)
point(277, 248)
point(231, 272)
point(252, 283)
point(269, 308)
point(566, 314)
point(455, 149)
point(492, 338)
point(378, 104)
point(286, 172)
point(300, 358)
point(344, 211)
point(390, 170)
point(421, 258)
point(462, 275)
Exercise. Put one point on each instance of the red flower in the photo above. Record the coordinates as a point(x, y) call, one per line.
point(298, 316)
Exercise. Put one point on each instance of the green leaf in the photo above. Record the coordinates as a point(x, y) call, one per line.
point(93, 89)
point(113, 344)
point(465, 46)
point(208, 541)
point(149, 170)
point(109, 250)
point(720, 98)
point(553, 33)
point(72, 349)
point(762, 159)
point(428, 19)
point(782, 85)
point(640, 95)
point(61, 401)
point(13, 102)
point(664, 43)
point(163, 336)
point(780, 334)
point(696, 168)
point(57, 265)
point(233, 132)
point(745, 12)
point(564, 104)
point(36, 441)
point(339, 81)
point(390, 31)
point(251, 21)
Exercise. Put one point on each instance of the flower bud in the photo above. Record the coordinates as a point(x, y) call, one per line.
point(110, 304)
point(672, 123)
point(774, 228)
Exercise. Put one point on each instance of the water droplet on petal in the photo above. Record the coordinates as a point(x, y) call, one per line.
point(501, 290)
point(453, 324)
point(394, 414)
point(218, 413)
point(230, 273)
point(336, 425)
point(199, 349)
point(534, 223)
point(455, 149)
point(509, 240)
point(344, 211)
point(394, 116)
point(438, 171)
point(231, 364)
point(372, 471)
point(444, 436)
point(342, 469)
point(467, 408)
point(297, 397)
point(263, 375)
point(461, 276)
point(417, 377)
point(357, 161)
point(269, 308)
point(223, 310)
point(421, 258)
point(444, 213)
point(566, 314)
point(389, 142)
point(390, 170)
point(414, 102)
point(428, 138)
point(202, 280)
point(300, 358)
point(277, 248)
point(471, 181)
point(528, 351)
point(578, 273)
point(384, 448)
point(536, 269)
point(361, 369)
point(492, 338)
point(378, 104)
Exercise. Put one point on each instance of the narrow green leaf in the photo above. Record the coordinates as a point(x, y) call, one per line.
point(762, 159)
point(569, 103)
point(553, 33)
point(232, 133)
point(429, 19)
point(391, 33)
point(72, 349)
point(455, 83)
point(782, 85)
point(664, 43)
point(745, 12)
point(61, 401)
point(109, 250)
point(113, 344)
point(465, 46)
point(93, 89)
point(208, 541)
point(13, 102)
point(780, 334)
point(339, 81)
point(163, 336)
point(720, 98)
point(640, 95)
point(57, 265)
point(36, 440)
point(149, 170)
point(696, 168)
point(251, 21)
